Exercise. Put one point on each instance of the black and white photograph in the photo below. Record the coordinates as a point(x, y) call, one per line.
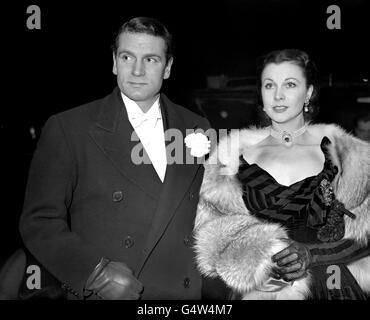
point(203, 151)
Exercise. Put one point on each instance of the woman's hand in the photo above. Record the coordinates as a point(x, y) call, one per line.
point(292, 262)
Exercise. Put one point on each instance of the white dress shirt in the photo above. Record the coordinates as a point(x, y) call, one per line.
point(149, 128)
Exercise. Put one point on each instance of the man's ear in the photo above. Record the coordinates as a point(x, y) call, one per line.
point(167, 70)
point(114, 70)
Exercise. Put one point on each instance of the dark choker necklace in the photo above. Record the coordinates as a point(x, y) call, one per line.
point(287, 137)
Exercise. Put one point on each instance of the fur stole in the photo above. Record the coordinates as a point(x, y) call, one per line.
point(237, 247)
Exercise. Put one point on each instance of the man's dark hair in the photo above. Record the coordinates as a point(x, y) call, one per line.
point(149, 26)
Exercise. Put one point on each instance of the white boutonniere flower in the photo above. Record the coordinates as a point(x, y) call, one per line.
point(198, 144)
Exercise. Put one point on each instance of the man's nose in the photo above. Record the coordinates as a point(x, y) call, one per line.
point(138, 68)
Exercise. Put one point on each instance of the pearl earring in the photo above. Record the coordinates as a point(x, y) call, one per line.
point(306, 103)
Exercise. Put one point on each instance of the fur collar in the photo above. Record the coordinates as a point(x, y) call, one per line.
point(350, 154)
point(232, 146)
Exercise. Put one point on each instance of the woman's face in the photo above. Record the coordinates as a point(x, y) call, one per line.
point(284, 91)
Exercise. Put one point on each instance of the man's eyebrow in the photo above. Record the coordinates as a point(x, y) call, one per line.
point(120, 51)
point(132, 54)
point(152, 55)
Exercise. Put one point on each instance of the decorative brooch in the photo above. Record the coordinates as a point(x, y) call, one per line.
point(327, 192)
point(334, 228)
point(330, 201)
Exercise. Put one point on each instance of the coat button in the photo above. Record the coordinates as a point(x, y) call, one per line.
point(117, 196)
point(187, 241)
point(128, 242)
point(186, 282)
point(191, 195)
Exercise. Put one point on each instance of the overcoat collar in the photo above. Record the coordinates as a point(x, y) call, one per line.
point(112, 133)
point(179, 177)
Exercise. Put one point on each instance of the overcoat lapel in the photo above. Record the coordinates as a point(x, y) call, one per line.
point(112, 133)
point(179, 177)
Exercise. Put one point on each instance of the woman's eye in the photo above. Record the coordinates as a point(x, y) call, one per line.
point(268, 85)
point(291, 85)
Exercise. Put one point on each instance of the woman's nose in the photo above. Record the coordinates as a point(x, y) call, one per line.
point(279, 94)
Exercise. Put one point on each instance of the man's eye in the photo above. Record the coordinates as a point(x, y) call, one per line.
point(291, 85)
point(151, 59)
point(125, 57)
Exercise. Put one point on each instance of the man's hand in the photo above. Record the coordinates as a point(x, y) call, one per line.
point(114, 281)
point(292, 262)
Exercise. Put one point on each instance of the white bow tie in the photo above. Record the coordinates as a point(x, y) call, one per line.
point(138, 119)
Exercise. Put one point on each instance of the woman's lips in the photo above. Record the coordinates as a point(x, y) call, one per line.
point(279, 109)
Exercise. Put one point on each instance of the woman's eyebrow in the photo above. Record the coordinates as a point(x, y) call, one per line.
point(292, 78)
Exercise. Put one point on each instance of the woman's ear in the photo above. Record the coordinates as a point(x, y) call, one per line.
point(309, 92)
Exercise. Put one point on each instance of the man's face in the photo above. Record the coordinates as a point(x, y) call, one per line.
point(140, 65)
point(363, 130)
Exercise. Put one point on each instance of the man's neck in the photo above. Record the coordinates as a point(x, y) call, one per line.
point(146, 105)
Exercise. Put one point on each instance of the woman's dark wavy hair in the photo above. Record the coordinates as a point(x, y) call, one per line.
point(308, 67)
point(149, 26)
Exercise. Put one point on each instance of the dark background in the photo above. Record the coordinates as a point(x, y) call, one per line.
point(68, 62)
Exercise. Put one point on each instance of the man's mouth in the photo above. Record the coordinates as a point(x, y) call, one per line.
point(137, 84)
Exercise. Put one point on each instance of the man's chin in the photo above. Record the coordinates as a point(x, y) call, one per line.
point(140, 96)
point(136, 96)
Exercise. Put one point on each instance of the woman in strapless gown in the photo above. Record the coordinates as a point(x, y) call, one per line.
point(284, 209)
